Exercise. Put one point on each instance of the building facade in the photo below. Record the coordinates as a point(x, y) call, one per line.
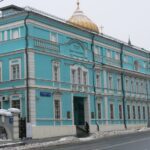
point(61, 74)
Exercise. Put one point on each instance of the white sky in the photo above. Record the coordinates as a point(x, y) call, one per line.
point(120, 18)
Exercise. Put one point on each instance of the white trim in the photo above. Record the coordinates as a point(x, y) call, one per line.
point(12, 25)
point(57, 97)
point(18, 61)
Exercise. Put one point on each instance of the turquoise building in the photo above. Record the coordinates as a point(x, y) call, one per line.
point(62, 74)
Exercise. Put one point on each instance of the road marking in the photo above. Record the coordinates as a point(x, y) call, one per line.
point(116, 145)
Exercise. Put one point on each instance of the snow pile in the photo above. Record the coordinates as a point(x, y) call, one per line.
point(72, 139)
point(144, 129)
point(14, 110)
point(5, 112)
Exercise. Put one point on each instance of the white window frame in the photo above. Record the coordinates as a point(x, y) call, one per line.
point(110, 84)
point(56, 63)
point(98, 83)
point(5, 35)
point(57, 97)
point(109, 54)
point(14, 62)
point(13, 31)
point(56, 37)
point(119, 84)
point(96, 50)
point(117, 56)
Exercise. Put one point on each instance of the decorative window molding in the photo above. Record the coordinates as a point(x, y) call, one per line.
point(15, 69)
point(15, 33)
point(119, 83)
point(98, 80)
point(57, 107)
point(110, 81)
point(56, 71)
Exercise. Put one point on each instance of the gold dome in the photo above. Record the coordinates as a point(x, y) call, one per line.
point(80, 20)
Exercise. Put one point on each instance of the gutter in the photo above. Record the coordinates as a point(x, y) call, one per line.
point(27, 66)
point(94, 88)
point(123, 90)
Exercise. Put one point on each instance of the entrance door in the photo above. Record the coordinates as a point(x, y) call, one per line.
point(79, 118)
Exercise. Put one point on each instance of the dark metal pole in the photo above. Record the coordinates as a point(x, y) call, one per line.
point(123, 90)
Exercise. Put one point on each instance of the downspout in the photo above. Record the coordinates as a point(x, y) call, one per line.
point(123, 90)
point(27, 66)
point(94, 88)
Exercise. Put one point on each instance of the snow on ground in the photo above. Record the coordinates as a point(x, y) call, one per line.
point(72, 139)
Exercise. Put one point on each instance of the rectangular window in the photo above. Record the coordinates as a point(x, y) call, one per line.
point(132, 87)
point(110, 82)
point(53, 37)
point(117, 56)
point(56, 71)
point(143, 112)
point(120, 111)
point(15, 104)
point(111, 111)
point(5, 36)
point(15, 69)
point(85, 78)
point(128, 109)
point(139, 112)
point(73, 76)
point(118, 84)
point(109, 53)
point(134, 116)
point(97, 79)
point(137, 87)
point(57, 109)
point(127, 85)
point(15, 33)
point(96, 50)
point(141, 91)
point(79, 76)
point(99, 110)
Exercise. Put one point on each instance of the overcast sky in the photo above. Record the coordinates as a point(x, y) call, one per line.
point(120, 18)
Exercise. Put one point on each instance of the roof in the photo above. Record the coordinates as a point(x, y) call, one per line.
point(11, 7)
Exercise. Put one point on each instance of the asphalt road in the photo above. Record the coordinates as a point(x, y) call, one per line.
point(136, 141)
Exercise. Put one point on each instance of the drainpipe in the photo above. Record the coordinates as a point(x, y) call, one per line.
point(27, 66)
point(94, 88)
point(123, 90)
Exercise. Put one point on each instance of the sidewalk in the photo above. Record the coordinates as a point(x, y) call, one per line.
point(37, 143)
